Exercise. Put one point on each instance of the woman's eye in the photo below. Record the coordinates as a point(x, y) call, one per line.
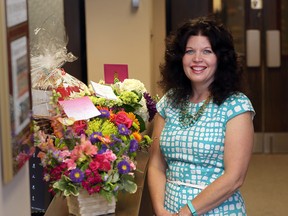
point(189, 52)
point(207, 52)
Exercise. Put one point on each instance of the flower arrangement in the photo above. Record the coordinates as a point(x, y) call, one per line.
point(98, 154)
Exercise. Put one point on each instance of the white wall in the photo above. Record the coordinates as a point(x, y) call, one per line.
point(117, 34)
point(15, 196)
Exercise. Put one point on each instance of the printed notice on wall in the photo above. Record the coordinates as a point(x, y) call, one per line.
point(16, 12)
point(20, 82)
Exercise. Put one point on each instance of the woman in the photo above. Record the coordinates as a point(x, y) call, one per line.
point(203, 132)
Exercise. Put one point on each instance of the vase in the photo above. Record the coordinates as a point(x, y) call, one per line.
point(90, 205)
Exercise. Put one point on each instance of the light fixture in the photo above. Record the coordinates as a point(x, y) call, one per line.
point(135, 3)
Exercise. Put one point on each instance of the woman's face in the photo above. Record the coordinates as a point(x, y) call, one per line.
point(199, 61)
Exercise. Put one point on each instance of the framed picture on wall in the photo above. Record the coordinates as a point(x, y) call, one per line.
point(20, 97)
point(16, 12)
point(17, 146)
point(15, 91)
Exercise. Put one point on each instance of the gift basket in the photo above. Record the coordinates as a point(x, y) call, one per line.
point(48, 55)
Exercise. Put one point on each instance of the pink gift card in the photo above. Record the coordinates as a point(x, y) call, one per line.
point(112, 71)
point(79, 108)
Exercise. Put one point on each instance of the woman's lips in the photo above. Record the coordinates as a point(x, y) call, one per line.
point(198, 68)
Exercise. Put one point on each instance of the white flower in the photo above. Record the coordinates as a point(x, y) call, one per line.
point(143, 111)
point(132, 84)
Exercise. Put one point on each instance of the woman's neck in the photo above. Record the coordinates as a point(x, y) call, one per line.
point(199, 96)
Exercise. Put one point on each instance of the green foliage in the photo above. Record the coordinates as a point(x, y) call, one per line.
point(66, 186)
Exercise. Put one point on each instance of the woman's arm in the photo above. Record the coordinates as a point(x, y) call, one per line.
point(237, 153)
point(157, 169)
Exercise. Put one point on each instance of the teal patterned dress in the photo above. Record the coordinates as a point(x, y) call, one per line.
point(194, 154)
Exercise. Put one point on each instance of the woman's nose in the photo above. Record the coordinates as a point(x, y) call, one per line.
point(197, 57)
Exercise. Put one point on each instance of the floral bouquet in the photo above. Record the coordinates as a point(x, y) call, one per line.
point(98, 154)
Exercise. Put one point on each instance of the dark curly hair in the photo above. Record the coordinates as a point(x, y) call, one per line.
point(228, 75)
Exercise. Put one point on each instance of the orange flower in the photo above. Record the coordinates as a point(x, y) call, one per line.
point(133, 118)
point(41, 155)
point(104, 139)
point(57, 128)
point(137, 136)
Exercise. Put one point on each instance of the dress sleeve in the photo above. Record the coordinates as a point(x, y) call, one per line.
point(161, 106)
point(237, 104)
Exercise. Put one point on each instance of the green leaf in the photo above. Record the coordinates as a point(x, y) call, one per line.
point(66, 186)
point(128, 108)
point(71, 190)
point(107, 195)
point(142, 123)
point(130, 186)
point(139, 94)
point(115, 177)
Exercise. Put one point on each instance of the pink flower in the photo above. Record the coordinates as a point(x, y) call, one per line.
point(57, 172)
point(84, 149)
point(87, 146)
point(96, 189)
point(122, 118)
point(132, 165)
point(110, 155)
point(65, 153)
point(77, 153)
point(94, 165)
point(105, 165)
point(88, 172)
point(79, 127)
point(70, 164)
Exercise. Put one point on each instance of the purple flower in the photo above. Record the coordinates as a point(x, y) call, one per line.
point(151, 105)
point(116, 139)
point(116, 188)
point(105, 177)
point(46, 177)
point(123, 167)
point(68, 134)
point(76, 175)
point(123, 130)
point(103, 149)
point(56, 155)
point(133, 145)
point(104, 113)
point(94, 137)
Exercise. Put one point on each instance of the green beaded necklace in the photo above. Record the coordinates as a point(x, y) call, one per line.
point(186, 119)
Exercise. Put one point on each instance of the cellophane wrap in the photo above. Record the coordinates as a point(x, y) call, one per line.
point(48, 55)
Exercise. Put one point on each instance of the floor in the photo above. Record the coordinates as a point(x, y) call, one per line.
point(266, 187)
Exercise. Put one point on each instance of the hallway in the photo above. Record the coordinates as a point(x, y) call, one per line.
point(266, 187)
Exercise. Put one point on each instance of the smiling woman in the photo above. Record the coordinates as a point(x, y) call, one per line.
point(204, 125)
